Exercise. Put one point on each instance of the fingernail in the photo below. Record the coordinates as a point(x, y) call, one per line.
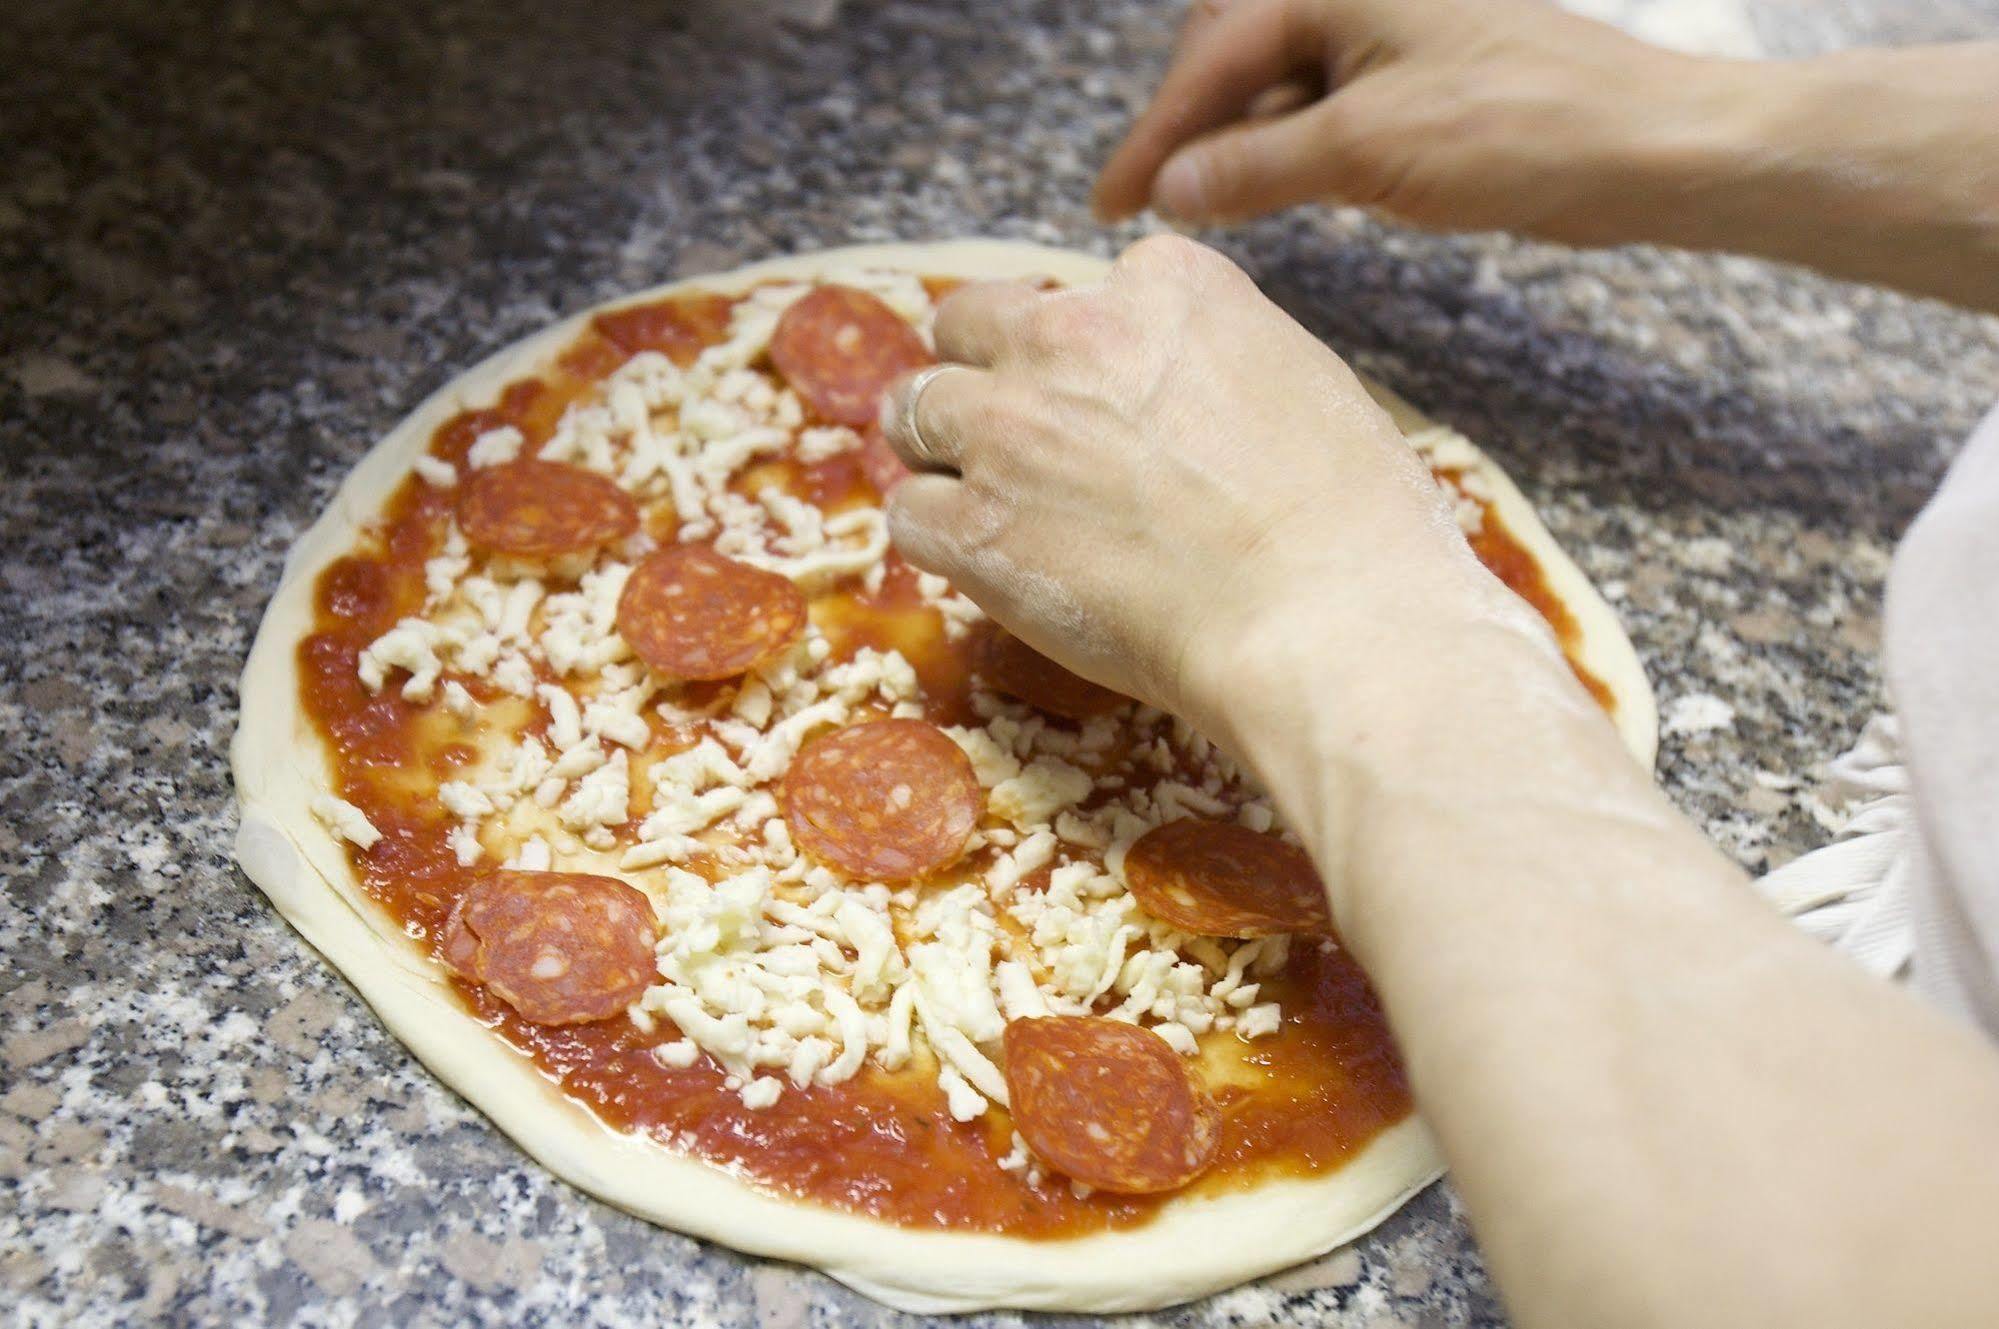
point(1182, 187)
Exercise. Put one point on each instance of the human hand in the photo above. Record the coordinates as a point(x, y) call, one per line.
point(1882, 166)
point(1160, 478)
point(1505, 114)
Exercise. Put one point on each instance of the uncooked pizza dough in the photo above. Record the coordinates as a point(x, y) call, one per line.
point(1193, 1246)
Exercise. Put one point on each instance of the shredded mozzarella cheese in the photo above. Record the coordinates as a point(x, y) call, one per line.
point(777, 972)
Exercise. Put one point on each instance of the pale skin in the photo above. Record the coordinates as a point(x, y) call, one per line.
point(1663, 1105)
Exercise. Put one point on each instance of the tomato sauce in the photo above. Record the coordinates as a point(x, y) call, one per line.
point(1298, 1102)
point(1506, 558)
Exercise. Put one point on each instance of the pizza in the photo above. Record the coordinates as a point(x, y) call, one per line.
point(754, 881)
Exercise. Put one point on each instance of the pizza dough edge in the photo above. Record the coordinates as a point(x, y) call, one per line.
point(1604, 648)
point(1192, 1248)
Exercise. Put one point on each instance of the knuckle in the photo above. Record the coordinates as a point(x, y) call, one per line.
point(957, 315)
point(1164, 255)
point(1068, 321)
point(1175, 268)
point(1010, 411)
point(1370, 143)
point(951, 309)
point(978, 313)
point(1014, 318)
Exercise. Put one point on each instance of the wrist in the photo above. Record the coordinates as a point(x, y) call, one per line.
point(1696, 165)
point(1869, 165)
point(1315, 620)
point(1446, 715)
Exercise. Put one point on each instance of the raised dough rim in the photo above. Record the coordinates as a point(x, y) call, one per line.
point(1605, 650)
point(1192, 1248)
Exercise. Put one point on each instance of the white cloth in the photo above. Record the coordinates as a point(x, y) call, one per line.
point(1911, 886)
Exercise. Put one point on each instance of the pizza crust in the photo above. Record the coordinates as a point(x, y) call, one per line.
point(1601, 646)
point(1194, 1246)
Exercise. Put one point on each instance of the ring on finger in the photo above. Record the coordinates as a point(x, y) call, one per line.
point(912, 429)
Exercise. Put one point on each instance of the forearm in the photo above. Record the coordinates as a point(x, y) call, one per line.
point(1644, 1081)
point(1877, 166)
point(1513, 115)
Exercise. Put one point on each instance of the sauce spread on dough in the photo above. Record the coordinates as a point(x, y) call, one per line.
point(1512, 563)
point(1301, 1101)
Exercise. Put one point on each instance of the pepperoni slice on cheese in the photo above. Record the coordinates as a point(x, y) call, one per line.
point(691, 613)
point(1109, 1103)
point(538, 509)
point(678, 328)
point(1219, 879)
point(1017, 669)
point(559, 947)
point(885, 800)
point(840, 348)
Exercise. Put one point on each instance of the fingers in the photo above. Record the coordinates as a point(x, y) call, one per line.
point(1246, 170)
point(927, 518)
point(928, 416)
point(977, 323)
point(1201, 16)
point(1283, 99)
point(1225, 62)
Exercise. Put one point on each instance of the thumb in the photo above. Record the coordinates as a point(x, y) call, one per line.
point(1246, 170)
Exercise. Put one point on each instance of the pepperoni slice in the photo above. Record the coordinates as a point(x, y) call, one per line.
point(679, 328)
point(559, 947)
point(1109, 1103)
point(886, 800)
point(543, 508)
point(1017, 669)
point(690, 613)
point(1219, 879)
point(840, 348)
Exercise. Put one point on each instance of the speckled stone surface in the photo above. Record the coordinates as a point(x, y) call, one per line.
point(238, 241)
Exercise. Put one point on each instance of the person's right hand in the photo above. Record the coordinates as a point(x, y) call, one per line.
point(1502, 114)
point(1512, 115)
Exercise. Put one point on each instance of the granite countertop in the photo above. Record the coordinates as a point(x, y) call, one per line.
point(238, 241)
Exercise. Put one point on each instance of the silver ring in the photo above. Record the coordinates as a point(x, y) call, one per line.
point(911, 430)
